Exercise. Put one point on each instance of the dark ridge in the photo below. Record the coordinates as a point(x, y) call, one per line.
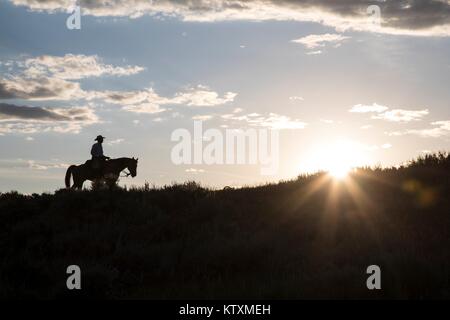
point(312, 237)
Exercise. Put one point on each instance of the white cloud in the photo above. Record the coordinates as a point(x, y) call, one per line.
point(202, 117)
point(34, 165)
point(441, 129)
point(147, 107)
point(361, 108)
point(194, 171)
point(74, 67)
point(148, 101)
point(46, 77)
point(393, 115)
point(313, 53)
point(272, 121)
point(115, 142)
point(202, 96)
point(314, 41)
point(400, 115)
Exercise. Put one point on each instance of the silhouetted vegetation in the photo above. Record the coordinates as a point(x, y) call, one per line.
point(312, 237)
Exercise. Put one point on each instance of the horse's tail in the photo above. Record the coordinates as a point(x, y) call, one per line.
point(68, 174)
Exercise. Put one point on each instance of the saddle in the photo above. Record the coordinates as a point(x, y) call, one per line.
point(97, 165)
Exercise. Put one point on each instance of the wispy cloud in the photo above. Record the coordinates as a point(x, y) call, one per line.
point(115, 142)
point(26, 119)
point(393, 115)
point(194, 171)
point(46, 77)
point(400, 115)
point(441, 129)
point(39, 165)
point(314, 41)
point(35, 165)
point(148, 101)
point(361, 108)
point(54, 78)
point(204, 117)
point(272, 121)
point(313, 53)
point(72, 66)
point(39, 88)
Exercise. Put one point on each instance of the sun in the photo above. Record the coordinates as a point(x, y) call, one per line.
point(339, 172)
point(338, 158)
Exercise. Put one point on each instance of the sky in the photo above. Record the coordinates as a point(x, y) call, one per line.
point(360, 82)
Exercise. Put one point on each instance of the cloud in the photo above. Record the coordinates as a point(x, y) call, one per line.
point(10, 112)
point(202, 96)
point(313, 53)
point(74, 67)
point(32, 164)
point(204, 117)
point(40, 88)
point(115, 142)
point(425, 17)
point(46, 77)
point(148, 101)
point(400, 115)
point(373, 148)
point(441, 129)
point(394, 115)
point(52, 78)
point(273, 121)
point(129, 97)
point(149, 108)
point(360, 108)
point(26, 119)
point(314, 41)
point(194, 171)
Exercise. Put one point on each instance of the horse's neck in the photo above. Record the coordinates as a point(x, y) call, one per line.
point(120, 163)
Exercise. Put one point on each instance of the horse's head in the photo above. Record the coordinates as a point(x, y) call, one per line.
point(132, 166)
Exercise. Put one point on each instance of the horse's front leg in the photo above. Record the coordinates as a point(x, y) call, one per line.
point(111, 180)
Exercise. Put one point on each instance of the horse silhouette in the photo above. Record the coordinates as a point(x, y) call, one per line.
point(111, 171)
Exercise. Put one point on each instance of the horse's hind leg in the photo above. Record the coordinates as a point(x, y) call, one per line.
point(77, 184)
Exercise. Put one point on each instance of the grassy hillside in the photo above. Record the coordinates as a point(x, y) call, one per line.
point(309, 238)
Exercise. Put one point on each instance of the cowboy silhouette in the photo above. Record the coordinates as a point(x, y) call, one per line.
point(98, 158)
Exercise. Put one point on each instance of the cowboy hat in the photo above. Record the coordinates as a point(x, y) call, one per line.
point(100, 137)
